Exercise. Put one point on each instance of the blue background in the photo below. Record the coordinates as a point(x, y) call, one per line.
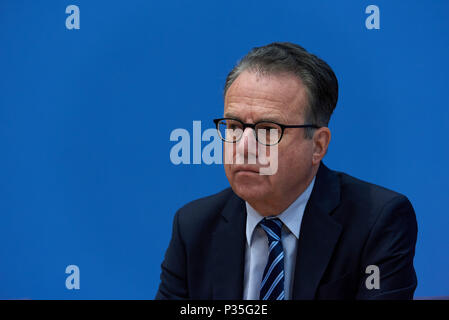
point(86, 116)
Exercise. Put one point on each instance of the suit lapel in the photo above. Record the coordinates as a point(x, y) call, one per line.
point(229, 251)
point(318, 235)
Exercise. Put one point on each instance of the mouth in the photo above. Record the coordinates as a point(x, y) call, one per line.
point(247, 170)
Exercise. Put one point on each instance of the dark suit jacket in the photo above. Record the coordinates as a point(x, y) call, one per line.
point(347, 225)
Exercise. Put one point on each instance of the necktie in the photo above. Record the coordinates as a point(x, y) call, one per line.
point(272, 285)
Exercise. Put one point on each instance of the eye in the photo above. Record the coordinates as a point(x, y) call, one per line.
point(264, 127)
point(232, 124)
point(267, 126)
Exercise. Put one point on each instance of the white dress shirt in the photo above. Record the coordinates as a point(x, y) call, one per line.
point(256, 253)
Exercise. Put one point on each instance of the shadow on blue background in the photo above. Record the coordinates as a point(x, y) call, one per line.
point(86, 116)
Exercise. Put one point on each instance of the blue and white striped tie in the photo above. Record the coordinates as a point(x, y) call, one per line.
point(272, 285)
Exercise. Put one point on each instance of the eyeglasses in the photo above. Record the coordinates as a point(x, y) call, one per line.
point(267, 133)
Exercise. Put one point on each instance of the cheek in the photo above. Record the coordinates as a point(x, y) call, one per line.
point(294, 158)
point(227, 169)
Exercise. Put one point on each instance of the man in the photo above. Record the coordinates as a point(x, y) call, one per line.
point(304, 232)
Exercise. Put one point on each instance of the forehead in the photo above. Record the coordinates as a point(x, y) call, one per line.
point(255, 95)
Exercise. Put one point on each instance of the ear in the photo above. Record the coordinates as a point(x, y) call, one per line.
point(321, 139)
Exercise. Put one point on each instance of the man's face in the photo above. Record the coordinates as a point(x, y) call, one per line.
point(280, 98)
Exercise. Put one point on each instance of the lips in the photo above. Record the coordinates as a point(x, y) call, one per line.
point(246, 169)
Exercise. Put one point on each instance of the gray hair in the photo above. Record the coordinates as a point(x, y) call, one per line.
point(318, 78)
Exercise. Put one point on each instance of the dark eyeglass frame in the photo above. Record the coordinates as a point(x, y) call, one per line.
point(253, 126)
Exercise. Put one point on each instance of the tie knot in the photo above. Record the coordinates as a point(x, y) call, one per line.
point(273, 228)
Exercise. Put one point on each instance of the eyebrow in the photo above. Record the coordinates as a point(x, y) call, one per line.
point(230, 115)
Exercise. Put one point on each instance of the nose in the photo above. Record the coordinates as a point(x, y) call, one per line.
point(247, 146)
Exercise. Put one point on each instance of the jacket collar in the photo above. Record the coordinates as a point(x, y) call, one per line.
point(229, 251)
point(319, 234)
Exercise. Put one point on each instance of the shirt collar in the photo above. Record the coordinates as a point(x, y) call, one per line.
point(290, 217)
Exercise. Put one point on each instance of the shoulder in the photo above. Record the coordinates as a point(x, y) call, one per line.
point(203, 213)
point(364, 205)
point(202, 206)
point(366, 194)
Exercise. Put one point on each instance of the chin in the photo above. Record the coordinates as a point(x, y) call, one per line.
point(248, 185)
point(250, 191)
